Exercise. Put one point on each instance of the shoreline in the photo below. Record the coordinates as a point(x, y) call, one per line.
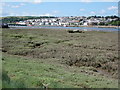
point(61, 29)
point(98, 26)
point(107, 26)
point(88, 28)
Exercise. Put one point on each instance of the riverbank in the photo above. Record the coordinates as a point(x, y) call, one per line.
point(107, 26)
point(84, 28)
point(96, 26)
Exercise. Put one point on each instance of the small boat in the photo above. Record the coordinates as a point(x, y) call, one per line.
point(4, 25)
point(64, 25)
point(75, 31)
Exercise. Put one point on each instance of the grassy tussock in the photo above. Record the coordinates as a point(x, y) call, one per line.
point(91, 49)
point(48, 73)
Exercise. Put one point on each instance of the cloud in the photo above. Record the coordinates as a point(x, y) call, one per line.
point(22, 4)
point(12, 6)
point(108, 0)
point(4, 4)
point(37, 1)
point(86, 0)
point(47, 14)
point(60, 0)
point(15, 6)
point(82, 9)
point(112, 8)
point(92, 12)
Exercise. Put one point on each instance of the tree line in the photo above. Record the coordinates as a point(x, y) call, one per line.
point(17, 19)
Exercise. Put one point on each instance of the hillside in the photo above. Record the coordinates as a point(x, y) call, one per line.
point(12, 19)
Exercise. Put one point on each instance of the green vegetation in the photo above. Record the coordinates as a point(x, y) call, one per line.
point(7, 83)
point(13, 19)
point(112, 23)
point(106, 17)
point(46, 74)
point(115, 23)
point(50, 58)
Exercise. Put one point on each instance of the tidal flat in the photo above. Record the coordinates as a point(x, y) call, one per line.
point(55, 58)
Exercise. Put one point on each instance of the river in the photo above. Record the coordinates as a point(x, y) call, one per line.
point(57, 27)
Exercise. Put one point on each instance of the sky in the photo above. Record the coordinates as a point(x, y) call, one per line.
point(37, 1)
point(59, 8)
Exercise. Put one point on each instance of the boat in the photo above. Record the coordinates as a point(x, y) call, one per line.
point(4, 25)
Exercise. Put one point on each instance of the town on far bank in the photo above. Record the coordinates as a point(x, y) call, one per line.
point(70, 21)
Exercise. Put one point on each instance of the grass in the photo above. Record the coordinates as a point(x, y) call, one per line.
point(50, 58)
point(44, 73)
point(8, 83)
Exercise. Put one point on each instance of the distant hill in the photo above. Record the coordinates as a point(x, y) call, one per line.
point(12, 19)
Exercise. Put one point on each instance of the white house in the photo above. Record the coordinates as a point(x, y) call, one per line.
point(22, 23)
point(85, 23)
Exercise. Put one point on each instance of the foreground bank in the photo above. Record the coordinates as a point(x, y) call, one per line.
point(52, 58)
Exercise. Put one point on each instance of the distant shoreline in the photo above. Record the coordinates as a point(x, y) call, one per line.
point(98, 26)
point(87, 26)
point(82, 27)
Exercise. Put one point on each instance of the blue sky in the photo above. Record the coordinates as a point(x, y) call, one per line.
point(59, 0)
point(40, 8)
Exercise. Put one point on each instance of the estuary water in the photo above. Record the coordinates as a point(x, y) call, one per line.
point(58, 27)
